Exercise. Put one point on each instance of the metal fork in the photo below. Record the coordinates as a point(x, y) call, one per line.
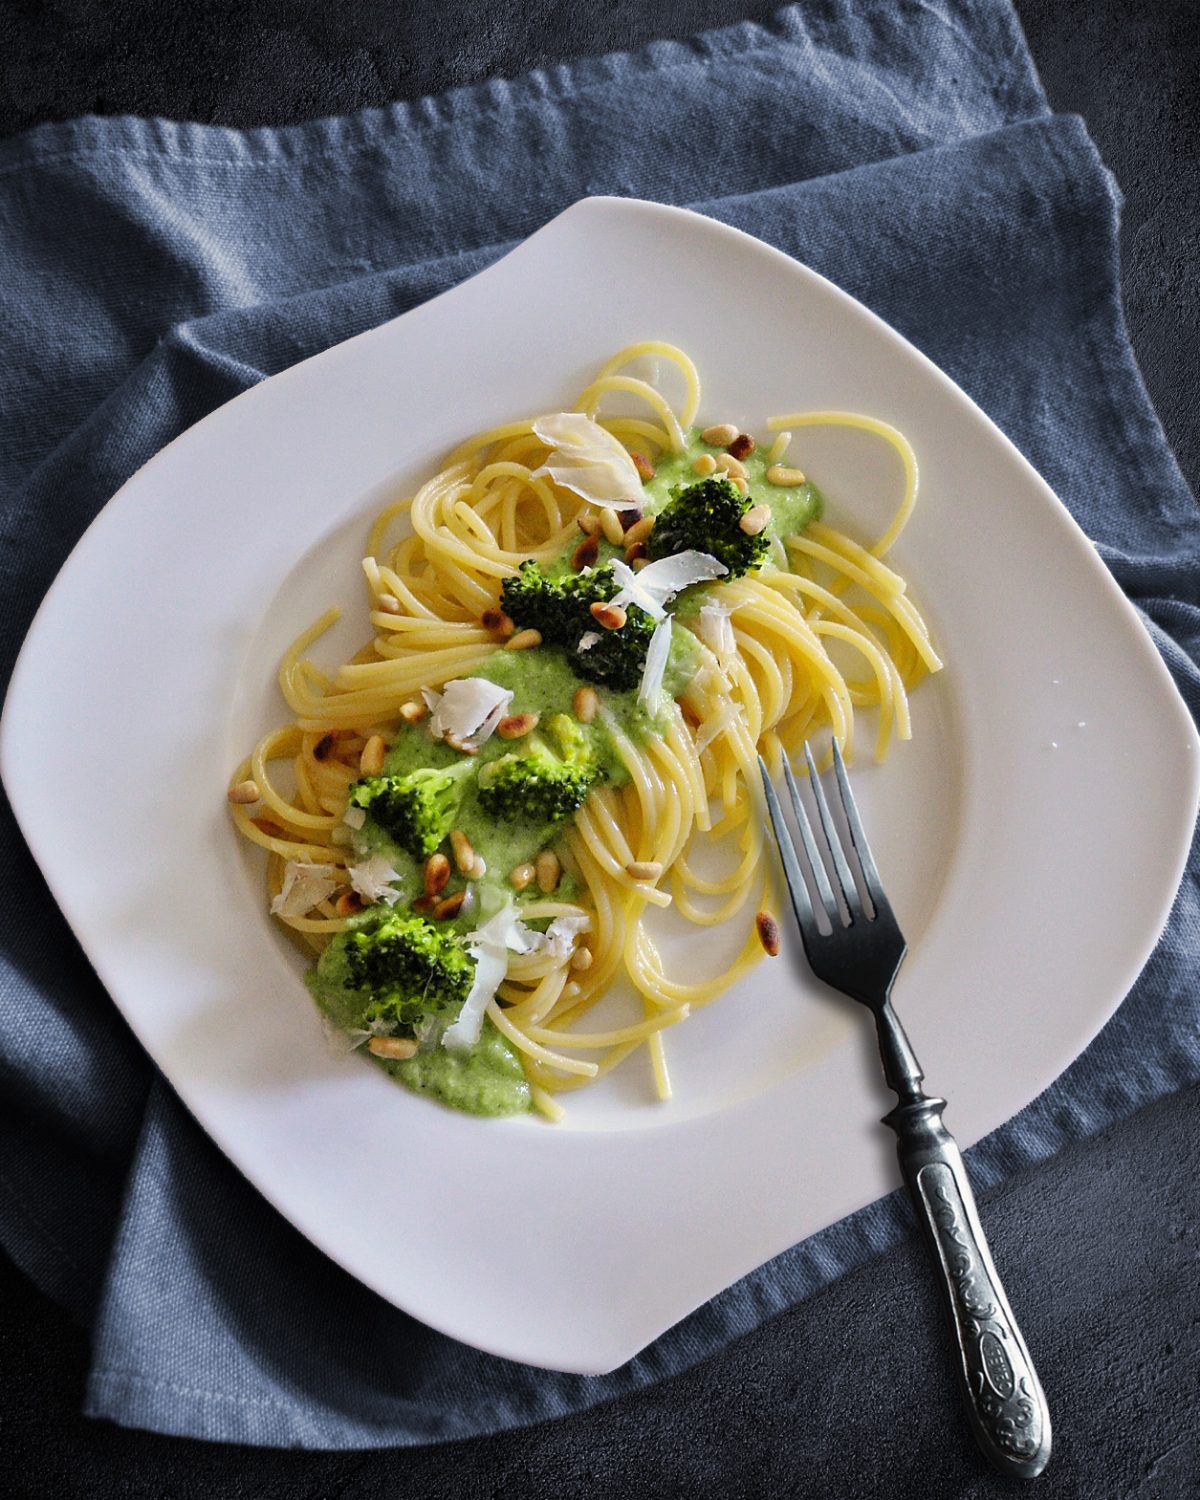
point(860, 956)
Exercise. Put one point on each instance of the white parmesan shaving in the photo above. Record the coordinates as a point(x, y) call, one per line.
point(558, 940)
point(469, 708)
point(662, 580)
point(586, 459)
point(587, 640)
point(490, 969)
point(428, 1031)
point(715, 630)
point(375, 880)
point(354, 817)
point(503, 931)
point(656, 664)
point(489, 945)
point(342, 1040)
point(304, 885)
point(489, 725)
point(715, 725)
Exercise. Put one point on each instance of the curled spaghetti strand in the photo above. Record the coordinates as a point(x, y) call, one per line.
point(820, 634)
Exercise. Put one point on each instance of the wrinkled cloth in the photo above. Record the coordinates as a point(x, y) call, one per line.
point(154, 270)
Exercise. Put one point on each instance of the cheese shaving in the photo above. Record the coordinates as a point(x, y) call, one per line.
point(350, 1039)
point(558, 940)
point(489, 945)
point(715, 630)
point(657, 652)
point(375, 880)
point(502, 931)
point(714, 726)
point(469, 708)
point(586, 459)
point(304, 885)
point(662, 580)
point(490, 969)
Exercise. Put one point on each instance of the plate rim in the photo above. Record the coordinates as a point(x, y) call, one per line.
point(11, 732)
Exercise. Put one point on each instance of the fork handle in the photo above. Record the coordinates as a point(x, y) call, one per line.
point(1005, 1403)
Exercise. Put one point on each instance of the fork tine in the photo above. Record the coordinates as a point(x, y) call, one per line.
point(797, 889)
point(815, 863)
point(841, 869)
point(858, 838)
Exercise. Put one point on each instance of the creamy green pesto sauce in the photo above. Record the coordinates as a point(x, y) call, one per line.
point(541, 682)
point(503, 845)
point(792, 507)
point(488, 1080)
point(334, 997)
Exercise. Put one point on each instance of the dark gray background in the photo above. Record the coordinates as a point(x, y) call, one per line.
point(850, 1396)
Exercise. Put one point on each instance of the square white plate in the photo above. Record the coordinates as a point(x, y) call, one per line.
point(1031, 836)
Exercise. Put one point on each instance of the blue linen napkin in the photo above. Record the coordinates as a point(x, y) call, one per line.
point(153, 270)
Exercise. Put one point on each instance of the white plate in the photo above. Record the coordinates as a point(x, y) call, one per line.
point(1032, 881)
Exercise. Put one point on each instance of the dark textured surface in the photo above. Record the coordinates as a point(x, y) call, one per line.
point(850, 1396)
point(1131, 69)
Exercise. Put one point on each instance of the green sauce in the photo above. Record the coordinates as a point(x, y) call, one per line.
point(502, 845)
point(489, 1079)
point(328, 982)
point(542, 682)
point(792, 507)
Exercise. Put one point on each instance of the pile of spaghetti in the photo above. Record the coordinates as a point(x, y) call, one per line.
point(732, 661)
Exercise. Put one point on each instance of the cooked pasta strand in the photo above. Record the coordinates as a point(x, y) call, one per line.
point(823, 631)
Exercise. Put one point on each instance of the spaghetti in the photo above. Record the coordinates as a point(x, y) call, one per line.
point(759, 662)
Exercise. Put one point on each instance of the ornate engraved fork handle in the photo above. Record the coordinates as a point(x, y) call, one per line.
point(1005, 1403)
point(861, 957)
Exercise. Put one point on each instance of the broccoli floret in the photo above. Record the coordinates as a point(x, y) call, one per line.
point(391, 968)
point(417, 810)
point(537, 785)
point(705, 517)
point(560, 610)
point(534, 787)
point(532, 601)
point(571, 739)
